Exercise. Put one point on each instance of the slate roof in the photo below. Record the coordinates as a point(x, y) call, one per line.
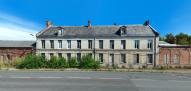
point(15, 43)
point(97, 31)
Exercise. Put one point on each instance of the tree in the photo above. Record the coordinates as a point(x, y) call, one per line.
point(170, 38)
point(161, 38)
point(182, 39)
point(189, 40)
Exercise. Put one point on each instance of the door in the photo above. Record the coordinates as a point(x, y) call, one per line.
point(111, 60)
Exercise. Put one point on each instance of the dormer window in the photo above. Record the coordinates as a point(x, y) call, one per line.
point(123, 30)
point(60, 32)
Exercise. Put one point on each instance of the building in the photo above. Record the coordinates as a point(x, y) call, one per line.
point(174, 55)
point(11, 49)
point(112, 45)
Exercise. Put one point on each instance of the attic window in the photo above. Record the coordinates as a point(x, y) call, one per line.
point(123, 30)
point(60, 32)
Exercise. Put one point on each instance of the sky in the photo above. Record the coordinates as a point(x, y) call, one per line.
point(22, 19)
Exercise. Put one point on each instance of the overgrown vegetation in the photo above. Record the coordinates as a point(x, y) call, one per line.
point(36, 62)
point(181, 39)
point(89, 63)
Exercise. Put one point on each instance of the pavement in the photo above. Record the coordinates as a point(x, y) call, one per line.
point(93, 81)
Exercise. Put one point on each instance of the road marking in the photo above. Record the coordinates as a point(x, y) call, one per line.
point(49, 77)
point(111, 78)
point(79, 77)
point(143, 79)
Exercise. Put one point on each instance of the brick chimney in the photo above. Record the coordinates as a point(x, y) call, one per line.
point(147, 23)
point(48, 24)
point(89, 24)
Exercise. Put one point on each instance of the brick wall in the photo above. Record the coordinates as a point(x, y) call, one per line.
point(10, 54)
point(175, 56)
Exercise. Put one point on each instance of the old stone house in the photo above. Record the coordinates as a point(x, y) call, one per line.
point(119, 45)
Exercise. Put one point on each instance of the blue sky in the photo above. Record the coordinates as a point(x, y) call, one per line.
point(20, 18)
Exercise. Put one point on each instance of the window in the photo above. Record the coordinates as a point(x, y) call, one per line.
point(78, 57)
point(149, 44)
point(111, 44)
point(123, 44)
point(166, 58)
point(149, 58)
point(90, 44)
point(60, 32)
point(43, 43)
point(79, 44)
point(136, 58)
point(69, 56)
point(90, 54)
point(43, 55)
point(123, 31)
point(100, 44)
point(59, 43)
point(123, 58)
point(51, 55)
point(69, 44)
point(137, 44)
point(51, 43)
point(101, 58)
point(176, 59)
point(60, 55)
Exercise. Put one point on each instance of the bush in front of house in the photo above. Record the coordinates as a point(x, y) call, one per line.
point(32, 61)
point(87, 62)
point(73, 63)
point(57, 63)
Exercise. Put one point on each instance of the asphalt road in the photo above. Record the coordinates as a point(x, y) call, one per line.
point(93, 81)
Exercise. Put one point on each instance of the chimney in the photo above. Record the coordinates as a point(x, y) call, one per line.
point(147, 23)
point(48, 24)
point(89, 24)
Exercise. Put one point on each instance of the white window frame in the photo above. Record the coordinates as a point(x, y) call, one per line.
point(52, 44)
point(68, 44)
point(112, 44)
point(79, 44)
point(59, 44)
point(101, 45)
point(123, 45)
point(90, 42)
point(137, 44)
point(43, 44)
point(149, 44)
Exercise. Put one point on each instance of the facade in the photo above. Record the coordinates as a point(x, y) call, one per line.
point(10, 49)
point(174, 55)
point(114, 45)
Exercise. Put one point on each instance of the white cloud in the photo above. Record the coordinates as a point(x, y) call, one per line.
point(15, 28)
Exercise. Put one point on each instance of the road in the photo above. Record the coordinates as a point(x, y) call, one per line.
point(93, 81)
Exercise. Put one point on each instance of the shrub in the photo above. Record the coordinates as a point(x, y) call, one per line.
point(89, 63)
point(73, 63)
point(53, 62)
point(63, 63)
point(32, 61)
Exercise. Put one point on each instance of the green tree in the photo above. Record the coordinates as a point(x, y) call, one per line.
point(161, 38)
point(170, 38)
point(182, 39)
point(189, 40)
